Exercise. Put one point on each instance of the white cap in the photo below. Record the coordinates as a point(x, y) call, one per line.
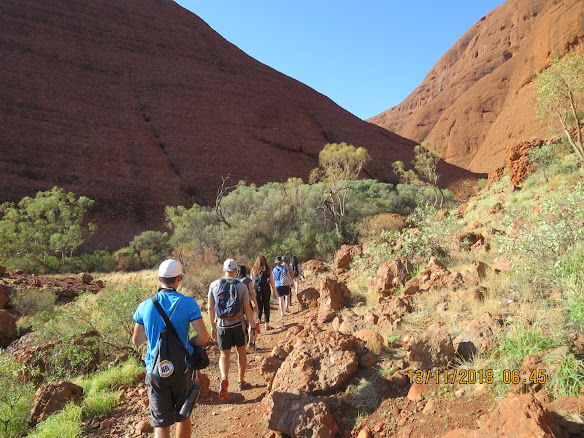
point(169, 269)
point(229, 265)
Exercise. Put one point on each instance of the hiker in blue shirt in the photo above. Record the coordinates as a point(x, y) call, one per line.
point(282, 282)
point(166, 400)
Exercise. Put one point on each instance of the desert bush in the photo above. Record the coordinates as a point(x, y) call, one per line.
point(569, 378)
point(109, 314)
point(151, 247)
point(100, 260)
point(16, 398)
point(40, 233)
point(374, 228)
point(428, 239)
point(517, 341)
point(100, 393)
point(64, 424)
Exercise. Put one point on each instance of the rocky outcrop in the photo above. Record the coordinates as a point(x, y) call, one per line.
point(477, 99)
point(389, 277)
point(301, 416)
point(516, 416)
point(479, 336)
point(334, 295)
point(314, 267)
point(431, 349)
point(308, 297)
point(318, 365)
point(3, 298)
point(433, 276)
point(345, 255)
point(8, 330)
point(52, 398)
point(149, 91)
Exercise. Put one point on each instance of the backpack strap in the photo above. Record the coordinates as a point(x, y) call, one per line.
point(169, 324)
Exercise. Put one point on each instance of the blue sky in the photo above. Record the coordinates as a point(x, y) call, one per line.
point(366, 55)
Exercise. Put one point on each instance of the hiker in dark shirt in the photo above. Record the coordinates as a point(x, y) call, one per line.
point(262, 280)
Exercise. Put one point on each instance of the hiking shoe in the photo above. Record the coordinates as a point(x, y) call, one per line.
point(281, 313)
point(242, 386)
point(288, 309)
point(223, 391)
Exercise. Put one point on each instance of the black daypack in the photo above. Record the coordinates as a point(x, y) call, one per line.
point(227, 300)
point(295, 270)
point(260, 282)
point(169, 362)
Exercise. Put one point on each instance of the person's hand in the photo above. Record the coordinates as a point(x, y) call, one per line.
point(252, 334)
point(214, 333)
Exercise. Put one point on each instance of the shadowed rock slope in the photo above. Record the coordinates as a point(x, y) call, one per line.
point(140, 104)
point(478, 98)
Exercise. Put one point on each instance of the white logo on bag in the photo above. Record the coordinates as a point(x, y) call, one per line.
point(166, 368)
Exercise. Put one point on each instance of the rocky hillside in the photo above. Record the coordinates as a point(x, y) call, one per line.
point(478, 99)
point(140, 105)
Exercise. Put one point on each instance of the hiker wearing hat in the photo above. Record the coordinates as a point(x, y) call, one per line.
point(282, 282)
point(229, 309)
point(166, 399)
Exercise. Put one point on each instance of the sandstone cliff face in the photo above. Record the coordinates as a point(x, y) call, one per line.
point(139, 104)
point(477, 100)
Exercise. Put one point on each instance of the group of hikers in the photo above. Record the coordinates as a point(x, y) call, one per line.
point(237, 306)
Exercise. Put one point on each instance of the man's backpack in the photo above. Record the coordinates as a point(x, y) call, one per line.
point(260, 282)
point(295, 270)
point(169, 362)
point(227, 300)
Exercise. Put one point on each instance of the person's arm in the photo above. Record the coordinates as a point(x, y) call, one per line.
point(249, 316)
point(202, 334)
point(139, 336)
point(212, 321)
point(253, 298)
point(272, 282)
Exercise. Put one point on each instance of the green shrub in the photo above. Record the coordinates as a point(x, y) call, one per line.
point(109, 314)
point(99, 389)
point(16, 398)
point(40, 233)
point(517, 342)
point(63, 424)
point(30, 302)
point(569, 378)
point(151, 247)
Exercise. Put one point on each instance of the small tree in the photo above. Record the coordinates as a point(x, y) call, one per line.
point(338, 164)
point(559, 89)
point(424, 172)
point(46, 229)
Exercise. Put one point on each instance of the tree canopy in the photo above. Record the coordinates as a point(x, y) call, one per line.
point(559, 90)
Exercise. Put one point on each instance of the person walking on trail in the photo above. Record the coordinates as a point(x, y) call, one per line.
point(166, 399)
point(262, 280)
point(296, 269)
point(229, 308)
point(242, 277)
point(282, 281)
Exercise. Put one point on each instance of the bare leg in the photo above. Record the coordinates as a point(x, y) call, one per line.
point(183, 429)
point(241, 362)
point(281, 301)
point(162, 432)
point(224, 356)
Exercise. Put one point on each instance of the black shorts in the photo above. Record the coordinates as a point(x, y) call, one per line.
point(283, 291)
point(167, 399)
point(228, 337)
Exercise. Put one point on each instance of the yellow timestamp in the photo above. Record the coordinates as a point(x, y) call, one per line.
point(471, 376)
